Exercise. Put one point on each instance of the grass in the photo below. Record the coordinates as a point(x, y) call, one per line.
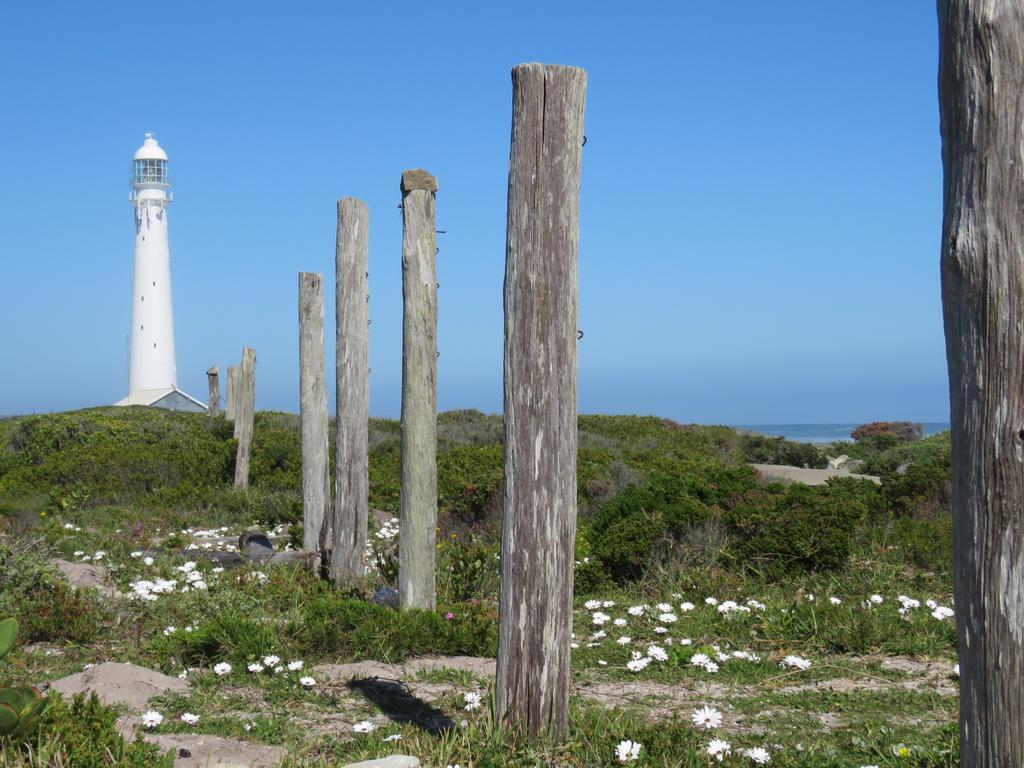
point(880, 689)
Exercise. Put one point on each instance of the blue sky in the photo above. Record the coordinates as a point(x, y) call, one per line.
point(760, 210)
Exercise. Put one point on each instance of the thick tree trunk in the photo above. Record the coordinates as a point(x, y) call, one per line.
point(981, 100)
point(245, 408)
point(316, 487)
point(541, 299)
point(213, 383)
point(418, 518)
point(352, 394)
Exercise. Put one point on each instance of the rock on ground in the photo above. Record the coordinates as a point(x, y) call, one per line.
point(391, 761)
point(86, 575)
point(199, 751)
point(124, 684)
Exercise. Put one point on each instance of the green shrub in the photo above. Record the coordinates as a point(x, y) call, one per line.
point(235, 635)
point(276, 457)
point(925, 485)
point(467, 566)
point(57, 612)
point(801, 528)
point(762, 449)
point(116, 454)
point(926, 544)
point(469, 480)
point(83, 733)
point(626, 528)
point(385, 476)
point(867, 492)
point(333, 626)
point(930, 450)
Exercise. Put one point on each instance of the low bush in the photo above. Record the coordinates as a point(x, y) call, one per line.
point(867, 492)
point(57, 612)
point(118, 454)
point(467, 566)
point(899, 431)
point(915, 476)
point(469, 480)
point(83, 733)
point(337, 627)
point(926, 544)
point(761, 449)
point(798, 528)
point(625, 530)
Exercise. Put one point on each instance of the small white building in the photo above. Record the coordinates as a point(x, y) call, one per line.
point(152, 370)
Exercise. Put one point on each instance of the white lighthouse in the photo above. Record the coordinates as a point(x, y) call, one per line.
point(152, 372)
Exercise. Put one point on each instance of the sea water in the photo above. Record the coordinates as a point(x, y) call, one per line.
point(826, 433)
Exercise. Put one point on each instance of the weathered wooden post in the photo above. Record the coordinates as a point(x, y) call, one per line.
point(418, 517)
point(213, 382)
point(231, 396)
point(244, 411)
point(981, 105)
point(541, 298)
point(352, 393)
point(316, 489)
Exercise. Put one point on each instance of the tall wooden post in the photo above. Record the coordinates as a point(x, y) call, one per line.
point(213, 382)
point(245, 387)
point(541, 298)
point(352, 393)
point(231, 396)
point(418, 517)
point(316, 488)
point(981, 105)
point(238, 391)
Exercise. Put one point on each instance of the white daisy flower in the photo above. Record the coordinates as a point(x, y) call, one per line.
point(757, 755)
point(628, 751)
point(719, 749)
point(657, 653)
point(795, 662)
point(636, 665)
point(706, 717)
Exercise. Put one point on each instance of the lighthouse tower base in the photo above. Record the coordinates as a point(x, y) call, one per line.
point(170, 398)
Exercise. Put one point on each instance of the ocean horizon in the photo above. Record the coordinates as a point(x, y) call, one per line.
point(826, 433)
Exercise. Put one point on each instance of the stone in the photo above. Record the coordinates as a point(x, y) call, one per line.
point(84, 575)
point(194, 750)
point(391, 761)
point(387, 596)
point(119, 684)
point(255, 543)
